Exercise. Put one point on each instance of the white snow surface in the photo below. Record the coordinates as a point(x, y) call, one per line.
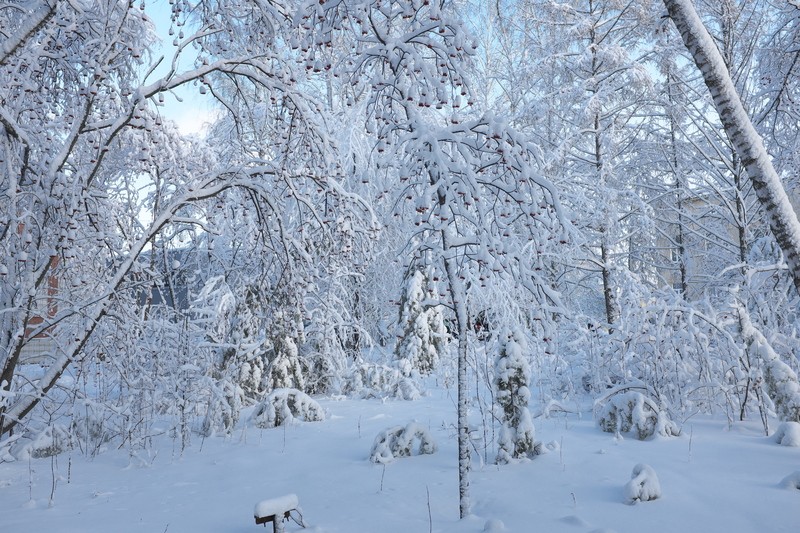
point(716, 478)
point(276, 506)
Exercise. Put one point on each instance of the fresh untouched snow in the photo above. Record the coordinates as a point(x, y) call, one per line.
point(715, 478)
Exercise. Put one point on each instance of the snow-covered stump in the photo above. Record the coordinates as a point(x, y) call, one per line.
point(276, 510)
point(398, 441)
point(643, 486)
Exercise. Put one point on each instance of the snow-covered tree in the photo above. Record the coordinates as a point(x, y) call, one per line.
point(423, 335)
point(85, 149)
point(740, 130)
point(511, 382)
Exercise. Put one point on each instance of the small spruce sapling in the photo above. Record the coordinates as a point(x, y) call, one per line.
point(423, 331)
point(512, 375)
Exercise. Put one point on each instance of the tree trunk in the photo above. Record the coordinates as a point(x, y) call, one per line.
point(739, 129)
point(458, 293)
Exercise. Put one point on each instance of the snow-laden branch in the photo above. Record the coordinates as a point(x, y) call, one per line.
point(29, 27)
point(741, 132)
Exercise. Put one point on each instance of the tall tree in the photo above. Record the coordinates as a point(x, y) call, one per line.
point(741, 132)
point(81, 135)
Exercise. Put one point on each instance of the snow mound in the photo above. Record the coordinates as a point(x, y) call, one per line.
point(788, 434)
point(634, 413)
point(398, 441)
point(792, 481)
point(643, 486)
point(284, 406)
point(494, 524)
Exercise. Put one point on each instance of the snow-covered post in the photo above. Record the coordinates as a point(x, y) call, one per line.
point(512, 375)
point(275, 510)
point(740, 130)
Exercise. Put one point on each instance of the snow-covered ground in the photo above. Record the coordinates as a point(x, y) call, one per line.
point(713, 479)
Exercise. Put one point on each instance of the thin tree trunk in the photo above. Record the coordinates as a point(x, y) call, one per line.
point(748, 144)
point(458, 294)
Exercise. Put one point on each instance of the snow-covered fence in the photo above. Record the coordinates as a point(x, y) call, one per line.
point(278, 510)
point(283, 406)
point(398, 441)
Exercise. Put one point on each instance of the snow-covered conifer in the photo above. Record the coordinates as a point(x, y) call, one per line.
point(423, 331)
point(285, 370)
point(224, 408)
point(512, 376)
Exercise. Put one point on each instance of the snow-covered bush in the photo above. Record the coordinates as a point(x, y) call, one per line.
point(52, 440)
point(783, 388)
point(788, 434)
point(223, 409)
point(89, 427)
point(627, 411)
point(372, 380)
point(398, 441)
point(643, 486)
point(685, 353)
point(791, 482)
point(285, 406)
point(780, 380)
point(512, 376)
point(423, 330)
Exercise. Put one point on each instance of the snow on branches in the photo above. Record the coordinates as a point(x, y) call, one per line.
point(511, 380)
point(286, 406)
point(423, 336)
point(399, 441)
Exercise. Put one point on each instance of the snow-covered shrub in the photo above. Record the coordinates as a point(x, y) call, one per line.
point(223, 409)
point(89, 427)
point(684, 352)
point(512, 376)
point(783, 388)
point(633, 412)
point(52, 440)
point(372, 380)
point(791, 482)
point(643, 486)
point(423, 330)
point(398, 441)
point(780, 380)
point(285, 406)
point(788, 434)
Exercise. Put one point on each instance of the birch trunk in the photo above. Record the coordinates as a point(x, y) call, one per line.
point(740, 130)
